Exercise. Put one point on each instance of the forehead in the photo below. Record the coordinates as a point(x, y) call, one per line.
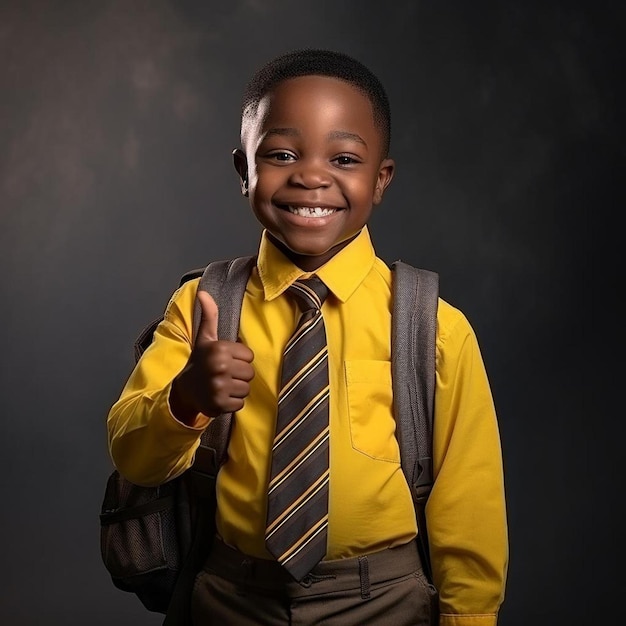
point(315, 102)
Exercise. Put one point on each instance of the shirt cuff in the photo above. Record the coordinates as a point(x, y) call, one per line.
point(200, 423)
point(488, 619)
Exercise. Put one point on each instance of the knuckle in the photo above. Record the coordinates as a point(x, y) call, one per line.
point(235, 404)
point(218, 385)
point(219, 366)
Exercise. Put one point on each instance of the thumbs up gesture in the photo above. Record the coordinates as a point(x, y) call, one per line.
point(217, 376)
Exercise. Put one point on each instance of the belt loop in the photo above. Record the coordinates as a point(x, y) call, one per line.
point(364, 575)
point(246, 571)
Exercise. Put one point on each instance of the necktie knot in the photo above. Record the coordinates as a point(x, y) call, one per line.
point(310, 293)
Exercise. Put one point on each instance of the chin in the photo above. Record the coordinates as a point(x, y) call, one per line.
point(310, 251)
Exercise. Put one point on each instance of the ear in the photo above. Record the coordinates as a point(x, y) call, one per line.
point(241, 165)
point(385, 174)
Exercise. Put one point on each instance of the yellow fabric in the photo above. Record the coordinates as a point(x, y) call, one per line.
point(468, 620)
point(370, 506)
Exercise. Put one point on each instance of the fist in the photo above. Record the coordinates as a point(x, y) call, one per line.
point(217, 376)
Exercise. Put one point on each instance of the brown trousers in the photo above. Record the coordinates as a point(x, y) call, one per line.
point(383, 588)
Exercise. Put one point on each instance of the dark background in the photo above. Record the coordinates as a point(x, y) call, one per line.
point(118, 118)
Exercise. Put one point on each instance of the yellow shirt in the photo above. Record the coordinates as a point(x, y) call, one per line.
point(370, 506)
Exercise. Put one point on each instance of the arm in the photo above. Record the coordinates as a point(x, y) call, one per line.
point(147, 443)
point(155, 426)
point(466, 513)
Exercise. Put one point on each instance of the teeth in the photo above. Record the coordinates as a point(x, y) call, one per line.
point(309, 211)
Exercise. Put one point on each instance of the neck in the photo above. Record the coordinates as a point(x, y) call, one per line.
point(309, 263)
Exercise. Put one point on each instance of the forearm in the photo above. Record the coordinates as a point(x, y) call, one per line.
point(469, 551)
point(148, 444)
point(468, 531)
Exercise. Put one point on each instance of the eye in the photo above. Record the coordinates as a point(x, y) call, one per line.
point(281, 156)
point(345, 160)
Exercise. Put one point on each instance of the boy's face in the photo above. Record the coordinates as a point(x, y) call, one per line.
point(313, 166)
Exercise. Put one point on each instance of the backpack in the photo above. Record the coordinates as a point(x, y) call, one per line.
point(149, 537)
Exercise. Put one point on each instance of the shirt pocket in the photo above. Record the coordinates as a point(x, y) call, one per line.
point(370, 408)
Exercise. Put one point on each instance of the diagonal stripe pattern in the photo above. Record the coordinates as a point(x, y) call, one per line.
point(297, 514)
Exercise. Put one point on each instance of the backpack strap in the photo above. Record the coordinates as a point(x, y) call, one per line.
point(415, 300)
point(230, 276)
point(226, 281)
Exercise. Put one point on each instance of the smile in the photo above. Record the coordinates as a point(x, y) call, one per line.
point(311, 211)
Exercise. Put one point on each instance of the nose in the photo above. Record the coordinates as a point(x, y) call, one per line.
point(311, 174)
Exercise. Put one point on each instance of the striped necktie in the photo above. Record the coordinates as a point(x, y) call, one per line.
point(297, 516)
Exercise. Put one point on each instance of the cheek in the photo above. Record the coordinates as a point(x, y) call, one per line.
point(268, 181)
point(362, 190)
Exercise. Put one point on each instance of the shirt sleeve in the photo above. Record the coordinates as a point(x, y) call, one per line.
point(466, 511)
point(148, 445)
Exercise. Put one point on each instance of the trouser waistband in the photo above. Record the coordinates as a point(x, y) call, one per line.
point(348, 573)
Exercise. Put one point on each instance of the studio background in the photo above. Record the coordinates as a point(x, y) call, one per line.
point(118, 119)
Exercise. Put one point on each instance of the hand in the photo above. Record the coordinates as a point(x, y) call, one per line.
point(217, 375)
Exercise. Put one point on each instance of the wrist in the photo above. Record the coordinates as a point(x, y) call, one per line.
point(182, 408)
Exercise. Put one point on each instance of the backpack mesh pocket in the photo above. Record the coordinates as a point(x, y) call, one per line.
point(139, 538)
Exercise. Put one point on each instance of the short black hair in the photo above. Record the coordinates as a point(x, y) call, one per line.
point(316, 62)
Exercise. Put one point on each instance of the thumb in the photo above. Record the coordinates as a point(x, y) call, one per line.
point(208, 317)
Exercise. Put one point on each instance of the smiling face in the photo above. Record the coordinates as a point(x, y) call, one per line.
point(313, 166)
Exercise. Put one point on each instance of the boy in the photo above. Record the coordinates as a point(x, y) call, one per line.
point(313, 162)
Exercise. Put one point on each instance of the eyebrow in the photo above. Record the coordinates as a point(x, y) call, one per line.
point(283, 132)
point(333, 134)
point(342, 134)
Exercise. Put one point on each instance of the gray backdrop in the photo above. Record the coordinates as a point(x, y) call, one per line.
point(118, 118)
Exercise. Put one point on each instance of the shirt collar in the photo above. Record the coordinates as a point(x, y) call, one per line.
point(342, 274)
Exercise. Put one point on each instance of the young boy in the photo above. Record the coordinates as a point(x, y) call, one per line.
point(313, 163)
